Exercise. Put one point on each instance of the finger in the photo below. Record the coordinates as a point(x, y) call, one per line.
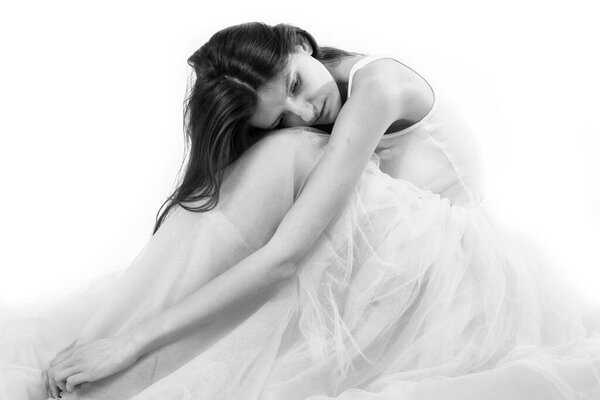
point(63, 355)
point(65, 373)
point(69, 347)
point(53, 384)
point(50, 386)
point(75, 380)
point(64, 364)
point(61, 376)
point(66, 352)
point(61, 384)
point(53, 389)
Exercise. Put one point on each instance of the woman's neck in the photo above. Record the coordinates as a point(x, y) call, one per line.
point(341, 73)
point(343, 88)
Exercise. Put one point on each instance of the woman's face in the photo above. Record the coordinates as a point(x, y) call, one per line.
point(306, 94)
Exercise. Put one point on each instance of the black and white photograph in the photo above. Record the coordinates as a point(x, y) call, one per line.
point(300, 201)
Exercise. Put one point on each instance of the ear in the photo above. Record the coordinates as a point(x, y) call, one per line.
point(304, 46)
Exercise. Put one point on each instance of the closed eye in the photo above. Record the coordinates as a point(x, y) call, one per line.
point(294, 89)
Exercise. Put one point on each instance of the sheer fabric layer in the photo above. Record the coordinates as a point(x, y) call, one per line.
point(404, 296)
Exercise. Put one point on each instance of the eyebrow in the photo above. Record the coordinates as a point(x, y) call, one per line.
point(287, 90)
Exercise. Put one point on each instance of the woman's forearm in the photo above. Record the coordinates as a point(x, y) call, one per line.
point(254, 274)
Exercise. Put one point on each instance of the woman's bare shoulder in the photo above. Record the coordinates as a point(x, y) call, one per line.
point(391, 73)
point(413, 94)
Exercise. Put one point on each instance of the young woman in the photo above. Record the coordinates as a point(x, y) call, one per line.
point(301, 264)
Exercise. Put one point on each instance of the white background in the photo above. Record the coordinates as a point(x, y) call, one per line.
point(91, 119)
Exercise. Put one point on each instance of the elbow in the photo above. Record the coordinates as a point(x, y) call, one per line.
point(284, 261)
point(283, 271)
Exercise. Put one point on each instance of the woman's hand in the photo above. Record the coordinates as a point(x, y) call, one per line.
point(88, 362)
point(51, 385)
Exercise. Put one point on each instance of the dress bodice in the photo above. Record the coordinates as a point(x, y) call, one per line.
point(437, 153)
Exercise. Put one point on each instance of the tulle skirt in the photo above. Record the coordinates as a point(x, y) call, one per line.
point(404, 296)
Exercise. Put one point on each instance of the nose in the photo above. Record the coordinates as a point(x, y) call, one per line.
point(305, 110)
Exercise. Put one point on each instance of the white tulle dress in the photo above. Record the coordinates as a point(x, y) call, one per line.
point(410, 294)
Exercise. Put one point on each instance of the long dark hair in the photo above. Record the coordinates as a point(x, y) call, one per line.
point(229, 69)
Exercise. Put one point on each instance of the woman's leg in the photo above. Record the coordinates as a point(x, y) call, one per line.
point(191, 248)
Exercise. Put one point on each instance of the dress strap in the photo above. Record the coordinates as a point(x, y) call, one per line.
point(361, 63)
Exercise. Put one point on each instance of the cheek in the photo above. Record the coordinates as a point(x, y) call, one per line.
point(335, 99)
point(321, 80)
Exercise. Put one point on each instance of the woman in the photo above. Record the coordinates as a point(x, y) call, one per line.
point(402, 286)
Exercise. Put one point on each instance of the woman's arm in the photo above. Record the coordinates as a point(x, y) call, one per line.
point(101, 358)
point(252, 275)
point(373, 107)
point(359, 127)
